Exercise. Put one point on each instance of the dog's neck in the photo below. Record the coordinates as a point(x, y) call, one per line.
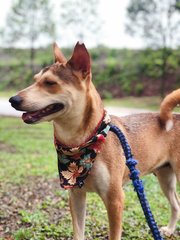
point(77, 127)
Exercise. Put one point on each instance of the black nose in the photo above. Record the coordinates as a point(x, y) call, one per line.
point(15, 101)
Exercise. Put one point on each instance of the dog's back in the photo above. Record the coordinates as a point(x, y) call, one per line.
point(153, 137)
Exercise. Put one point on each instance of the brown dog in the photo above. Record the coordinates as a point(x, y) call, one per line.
point(65, 94)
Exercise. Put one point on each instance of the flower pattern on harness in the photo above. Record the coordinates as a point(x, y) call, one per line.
point(74, 164)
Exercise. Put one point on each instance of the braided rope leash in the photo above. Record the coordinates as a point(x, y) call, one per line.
point(137, 183)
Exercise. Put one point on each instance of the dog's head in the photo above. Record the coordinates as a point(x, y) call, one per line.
point(58, 89)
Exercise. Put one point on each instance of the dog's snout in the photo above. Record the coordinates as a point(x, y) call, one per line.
point(15, 101)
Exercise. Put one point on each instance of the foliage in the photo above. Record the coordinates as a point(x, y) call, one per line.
point(158, 22)
point(116, 72)
point(27, 21)
point(133, 72)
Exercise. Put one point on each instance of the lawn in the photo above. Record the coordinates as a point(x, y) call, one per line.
point(32, 207)
point(151, 103)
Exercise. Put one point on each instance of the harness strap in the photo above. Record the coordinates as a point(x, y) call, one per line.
point(137, 183)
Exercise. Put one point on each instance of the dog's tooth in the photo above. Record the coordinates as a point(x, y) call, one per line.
point(49, 108)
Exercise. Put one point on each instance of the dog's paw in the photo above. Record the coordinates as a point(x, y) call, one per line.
point(168, 232)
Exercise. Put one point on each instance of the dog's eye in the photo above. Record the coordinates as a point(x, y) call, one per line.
point(49, 83)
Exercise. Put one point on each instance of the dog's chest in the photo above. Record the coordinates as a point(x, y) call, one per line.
point(99, 178)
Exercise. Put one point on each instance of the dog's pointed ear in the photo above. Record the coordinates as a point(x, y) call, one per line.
point(58, 55)
point(80, 60)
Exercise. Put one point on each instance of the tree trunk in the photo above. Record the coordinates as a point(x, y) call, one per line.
point(32, 56)
point(164, 72)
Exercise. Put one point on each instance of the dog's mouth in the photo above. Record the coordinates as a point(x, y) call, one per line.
point(35, 116)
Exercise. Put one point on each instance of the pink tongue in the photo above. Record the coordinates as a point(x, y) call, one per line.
point(30, 116)
point(25, 116)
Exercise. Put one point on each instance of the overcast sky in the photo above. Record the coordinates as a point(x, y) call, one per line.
point(113, 15)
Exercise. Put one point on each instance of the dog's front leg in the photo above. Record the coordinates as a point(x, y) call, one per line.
point(77, 202)
point(114, 203)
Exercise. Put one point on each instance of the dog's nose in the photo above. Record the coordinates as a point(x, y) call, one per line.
point(15, 101)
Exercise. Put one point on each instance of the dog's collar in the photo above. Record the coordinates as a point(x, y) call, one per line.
point(75, 163)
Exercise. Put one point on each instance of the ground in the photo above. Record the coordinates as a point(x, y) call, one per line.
point(32, 206)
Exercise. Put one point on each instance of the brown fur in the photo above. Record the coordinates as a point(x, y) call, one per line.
point(157, 150)
point(170, 102)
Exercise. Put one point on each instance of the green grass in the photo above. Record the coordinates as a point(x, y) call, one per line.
point(148, 103)
point(33, 149)
point(151, 103)
point(27, 154)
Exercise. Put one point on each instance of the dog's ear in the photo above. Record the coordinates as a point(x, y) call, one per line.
point(80, 60)
point(58, 55)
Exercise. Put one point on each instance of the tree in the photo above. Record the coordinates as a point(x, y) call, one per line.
point(158, 22)
point(81, 18)
point(27, 22)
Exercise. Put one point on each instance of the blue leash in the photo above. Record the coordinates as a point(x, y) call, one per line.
point(137, 183)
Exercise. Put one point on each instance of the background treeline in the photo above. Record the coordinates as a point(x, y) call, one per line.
point(153, 70)
point(116, 72)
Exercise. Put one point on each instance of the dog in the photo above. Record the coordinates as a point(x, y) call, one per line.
point(65, 94)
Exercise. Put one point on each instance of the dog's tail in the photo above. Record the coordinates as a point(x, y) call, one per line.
point(167, 105)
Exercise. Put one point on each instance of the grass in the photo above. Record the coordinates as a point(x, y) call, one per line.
point(28, 155)
point(151, 103)
point(148, 103)
point(39, 208)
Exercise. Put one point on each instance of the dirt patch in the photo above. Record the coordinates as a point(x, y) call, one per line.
point(7, 147)
point(26, 196)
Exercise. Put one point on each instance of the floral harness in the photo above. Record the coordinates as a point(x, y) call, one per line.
point(75, 163)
